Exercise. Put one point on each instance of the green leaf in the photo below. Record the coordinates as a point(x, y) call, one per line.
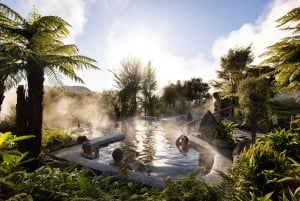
point(25, 137)
point(4, 137)
point(285, 179)
point(266, 197)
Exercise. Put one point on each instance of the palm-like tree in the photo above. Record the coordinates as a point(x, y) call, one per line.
point(9, 75)
point(284, 56)
point(37, 43)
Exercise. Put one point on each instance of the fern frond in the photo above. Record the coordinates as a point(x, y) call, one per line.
point(293, 15)
point(54, 77)
point(67, 50)
point(9, 13)
point(21, 197)
point(55, 24)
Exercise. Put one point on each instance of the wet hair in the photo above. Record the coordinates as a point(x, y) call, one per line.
point(216, 95)
point(117, 153)
point(185, 138)
point(87, 147)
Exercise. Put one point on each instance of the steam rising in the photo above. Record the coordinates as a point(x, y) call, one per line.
point(87, 111)
point(76, 110)
point(9, 102)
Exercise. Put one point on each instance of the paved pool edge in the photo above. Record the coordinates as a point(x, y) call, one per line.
point(222, 159)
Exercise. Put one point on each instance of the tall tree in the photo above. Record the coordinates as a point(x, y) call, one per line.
point(170, 96)
point(178, 96)
point(128, 80)
point(174, 97)
point(148, 87)
point(38, 42)
point(196, 90)
point(255, 97)
point(284, 56)
point(233, 67)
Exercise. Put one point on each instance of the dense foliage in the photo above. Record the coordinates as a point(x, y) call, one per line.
point(190, 188)
point(233, 67)
point(270, 168)
point(224, 130)
point(56, 137)
point(176, 98)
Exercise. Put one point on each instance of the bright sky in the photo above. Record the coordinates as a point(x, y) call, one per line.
point(182, 39)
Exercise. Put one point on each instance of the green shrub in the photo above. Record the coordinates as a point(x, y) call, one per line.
point(224, 130)
point(11, 176)
point(189, 188)
point(266, 168)
point(283, 140)
point(55, 136)
point(267, 171)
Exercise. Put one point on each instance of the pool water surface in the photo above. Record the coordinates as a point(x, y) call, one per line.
point(150, 149)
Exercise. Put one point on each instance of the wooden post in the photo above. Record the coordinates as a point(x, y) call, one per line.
point(21, 121)
point(20, 111)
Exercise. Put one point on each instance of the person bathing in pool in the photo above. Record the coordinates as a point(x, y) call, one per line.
point(118, 156)
point(183, 144)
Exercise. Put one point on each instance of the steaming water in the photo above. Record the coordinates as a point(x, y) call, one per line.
point(151, 150)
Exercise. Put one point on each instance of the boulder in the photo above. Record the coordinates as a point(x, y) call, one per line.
point(206, 125)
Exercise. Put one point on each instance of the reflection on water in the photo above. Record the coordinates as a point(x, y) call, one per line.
point(151, 150)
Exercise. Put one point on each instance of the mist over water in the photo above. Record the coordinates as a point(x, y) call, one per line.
point(78, 110)
point(9, 103)
point(87, 111)
point(66, 111)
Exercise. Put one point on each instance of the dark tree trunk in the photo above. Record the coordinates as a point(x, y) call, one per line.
point(253, 130)
point(21, 118)
point(35, 78)
point(2, 90)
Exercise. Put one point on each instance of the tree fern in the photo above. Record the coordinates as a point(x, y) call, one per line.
point(6, 13)
point(291, 16)
point(284, 55)
point(40, 40)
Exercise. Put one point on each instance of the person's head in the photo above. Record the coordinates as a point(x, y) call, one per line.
point(87, 147)
point(117, 154)
point(216, 95)
point(185, 139)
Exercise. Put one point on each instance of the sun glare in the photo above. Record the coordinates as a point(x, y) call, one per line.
point(142, 45)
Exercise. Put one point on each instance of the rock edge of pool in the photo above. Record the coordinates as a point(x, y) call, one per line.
point(221, 160)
